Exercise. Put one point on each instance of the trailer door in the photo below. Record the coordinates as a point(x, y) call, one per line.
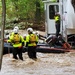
point(51, 9)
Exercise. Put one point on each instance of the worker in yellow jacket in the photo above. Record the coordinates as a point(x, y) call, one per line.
point(17, 42)
point(57, 23)
point(31, 43)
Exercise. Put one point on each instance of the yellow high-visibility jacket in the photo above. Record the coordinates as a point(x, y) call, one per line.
point(16, 44)
point(28, 40)
point(11, 34)
point(57, 18)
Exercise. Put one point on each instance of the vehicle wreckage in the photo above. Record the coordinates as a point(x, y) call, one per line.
point(51, 44)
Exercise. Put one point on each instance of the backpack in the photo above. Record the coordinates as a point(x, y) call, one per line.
point(16, 38)
point(32, 38)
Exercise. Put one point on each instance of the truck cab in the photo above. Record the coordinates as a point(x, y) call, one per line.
point(67, 13)
point(50, 9)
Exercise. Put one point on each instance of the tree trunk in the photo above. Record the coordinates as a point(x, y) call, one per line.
point(2, 30)
point(38, 12)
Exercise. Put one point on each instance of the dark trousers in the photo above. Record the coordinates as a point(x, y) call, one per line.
point(17, 51)
point(57, 28)
point(32, 52)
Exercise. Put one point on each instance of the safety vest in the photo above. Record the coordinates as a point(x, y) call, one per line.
point(15, 44)
point(31, 43)
point(56, 18)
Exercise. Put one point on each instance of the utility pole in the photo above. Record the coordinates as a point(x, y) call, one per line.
point(2, 31)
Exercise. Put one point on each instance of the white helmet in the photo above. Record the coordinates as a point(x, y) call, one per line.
point(37, 32)
point(6, 32)
point(24, 35)
point(15, 30)
point(16, 27)
point(34, 32)
point(30, 29)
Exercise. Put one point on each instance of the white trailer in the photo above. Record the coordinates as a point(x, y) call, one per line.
point(67, 13)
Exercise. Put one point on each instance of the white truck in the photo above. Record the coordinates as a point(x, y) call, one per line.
point(67, 13)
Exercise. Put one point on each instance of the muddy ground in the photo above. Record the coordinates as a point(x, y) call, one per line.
point(46, 64)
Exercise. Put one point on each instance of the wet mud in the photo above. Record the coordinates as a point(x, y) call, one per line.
point(46, 64)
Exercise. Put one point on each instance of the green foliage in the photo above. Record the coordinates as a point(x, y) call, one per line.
point(21, 10)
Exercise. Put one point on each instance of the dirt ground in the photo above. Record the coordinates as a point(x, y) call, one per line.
point(46, 64)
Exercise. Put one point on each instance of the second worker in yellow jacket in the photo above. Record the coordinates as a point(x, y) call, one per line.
point(31, 43)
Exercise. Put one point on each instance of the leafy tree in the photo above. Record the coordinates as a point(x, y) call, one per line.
point(24, 10)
